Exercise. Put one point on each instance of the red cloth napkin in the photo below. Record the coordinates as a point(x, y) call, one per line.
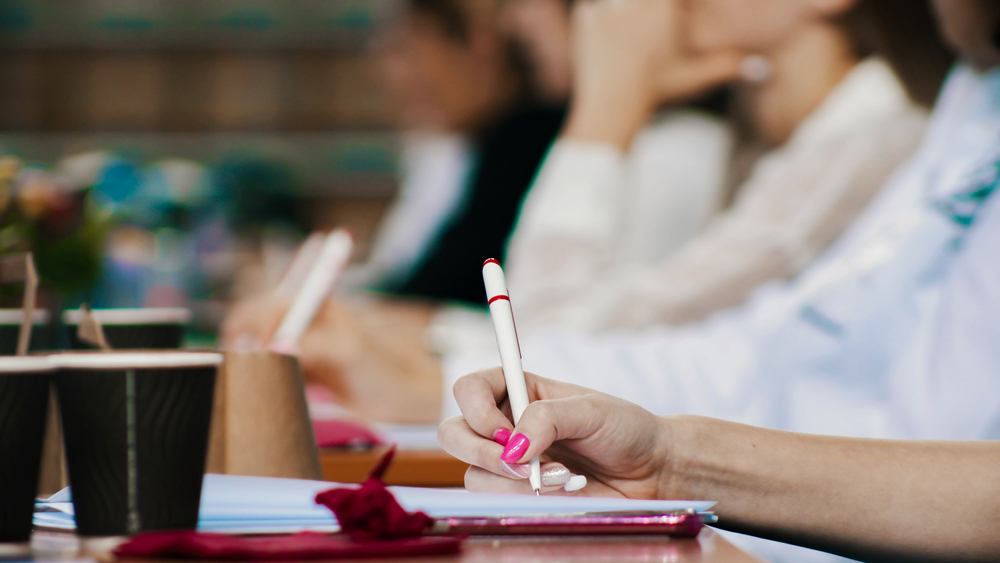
point(340, 433)
point(371, 511)
point(304, 545)
point(373, 521)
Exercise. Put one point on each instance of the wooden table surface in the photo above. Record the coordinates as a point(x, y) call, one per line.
point(413, 468)
point(709, 547)
point(435, 468)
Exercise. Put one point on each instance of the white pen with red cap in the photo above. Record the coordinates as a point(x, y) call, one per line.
point(510, 350)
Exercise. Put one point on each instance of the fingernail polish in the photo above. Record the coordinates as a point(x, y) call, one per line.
point(515, 448)
point(555, 476)
point(501, 436)
point(575, 483)
point(519, 470)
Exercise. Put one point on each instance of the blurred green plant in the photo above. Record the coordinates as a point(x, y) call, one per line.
point(63, 225)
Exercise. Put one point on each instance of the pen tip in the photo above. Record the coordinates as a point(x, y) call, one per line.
point(538, 493)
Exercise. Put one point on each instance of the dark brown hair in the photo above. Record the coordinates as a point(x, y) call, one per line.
point(905, 34)
point(455, 19)
point(448, 14)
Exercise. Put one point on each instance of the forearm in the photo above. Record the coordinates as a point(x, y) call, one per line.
point(607, 117)
point(376, 363)
point(868, 499)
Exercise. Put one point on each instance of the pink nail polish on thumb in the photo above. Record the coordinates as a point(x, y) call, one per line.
point(516, 446)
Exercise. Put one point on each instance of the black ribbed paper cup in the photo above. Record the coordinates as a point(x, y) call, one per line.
point(24, 401)
point(135, 329)
point(10, 328)
point(135, 425)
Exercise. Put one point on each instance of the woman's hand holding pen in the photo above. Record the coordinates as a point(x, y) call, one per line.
point(630, 57)
point(621, 448)
point(251, 322)
point(374, 361)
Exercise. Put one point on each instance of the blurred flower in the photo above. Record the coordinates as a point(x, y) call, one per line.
point(9, 169)
point(53, 217)
point(50, 201)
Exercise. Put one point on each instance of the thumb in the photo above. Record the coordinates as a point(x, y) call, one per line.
point(702, 73)
point(546, 422)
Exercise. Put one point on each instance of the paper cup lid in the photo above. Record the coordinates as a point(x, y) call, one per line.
point(13, 316)
point(25, 364)
point(136, 360)
point(138, 316)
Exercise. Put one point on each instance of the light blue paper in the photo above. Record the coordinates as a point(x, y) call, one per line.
point(237, 504)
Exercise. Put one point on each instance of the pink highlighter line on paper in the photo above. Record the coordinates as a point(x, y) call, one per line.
point(510, 351)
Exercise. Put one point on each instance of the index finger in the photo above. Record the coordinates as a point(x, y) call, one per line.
point(479, 395)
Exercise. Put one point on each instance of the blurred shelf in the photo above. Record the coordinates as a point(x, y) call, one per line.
point(413, 468)
point(359, 164)
point(159, 24)
point(192, 90)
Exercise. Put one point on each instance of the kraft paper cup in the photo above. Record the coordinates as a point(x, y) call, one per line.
point(24, 400)
point(261, 423)
point(135, 329)
point(135, 426)
point(10, 327)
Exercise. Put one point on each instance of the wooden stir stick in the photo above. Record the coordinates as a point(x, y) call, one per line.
point(90, 330)
point(20, 268)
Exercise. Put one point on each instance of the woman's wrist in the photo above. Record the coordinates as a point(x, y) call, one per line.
point(706, 457)
point(678, 434)
point(607, 119)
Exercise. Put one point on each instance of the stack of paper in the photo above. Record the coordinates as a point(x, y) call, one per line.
point(258, 505)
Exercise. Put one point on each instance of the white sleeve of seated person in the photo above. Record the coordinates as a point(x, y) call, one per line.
point(796, 202)
point(794, 207)
point(567, 225)
point(706, 369)
point(593, 210)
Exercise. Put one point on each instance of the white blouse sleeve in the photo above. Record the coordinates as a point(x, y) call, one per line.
point(594, 210)
point(568, 225)
point(795, 204)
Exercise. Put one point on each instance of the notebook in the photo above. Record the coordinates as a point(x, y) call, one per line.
point(260, 505)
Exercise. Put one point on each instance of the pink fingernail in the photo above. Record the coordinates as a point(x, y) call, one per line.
point(515, 448)
point(501, 436)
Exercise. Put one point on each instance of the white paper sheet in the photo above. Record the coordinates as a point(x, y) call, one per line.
point(260, 504)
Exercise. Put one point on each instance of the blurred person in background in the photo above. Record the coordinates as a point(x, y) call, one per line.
point(542, 29)
point(605, 236)
point(891, 334)
point(672, 176)
point(846, 123)
point(477, 134)
point(819, 94)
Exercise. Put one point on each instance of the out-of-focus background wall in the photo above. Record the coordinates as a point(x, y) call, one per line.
point(267, 113)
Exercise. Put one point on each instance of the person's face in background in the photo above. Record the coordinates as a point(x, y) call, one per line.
point(754, 26)
point(437, 81)
point(542, 29)
point(973, 28)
